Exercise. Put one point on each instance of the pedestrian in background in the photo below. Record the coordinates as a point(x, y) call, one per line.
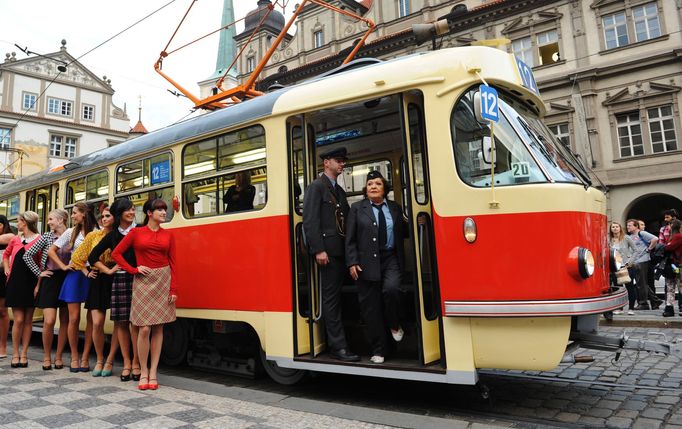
point(622, 242)
point(672, 284)
point(154, 288)
point(664, 233)
point(650, 275)
point(644, 242)
point(50, 279)
point(20, 285)
point(99, 292)
point(375, 237)
point(75, 287)
point(6, 235)
point(123, 211)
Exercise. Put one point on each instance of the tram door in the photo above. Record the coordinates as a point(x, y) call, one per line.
point(418, 205)
point(307, 308)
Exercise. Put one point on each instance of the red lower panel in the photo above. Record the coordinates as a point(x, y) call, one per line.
point(242, 265)
point(520, 256)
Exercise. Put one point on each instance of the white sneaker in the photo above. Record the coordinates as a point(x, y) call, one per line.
point(618, 312)
point(377, 359)
point(398, 335)
point(631, 313)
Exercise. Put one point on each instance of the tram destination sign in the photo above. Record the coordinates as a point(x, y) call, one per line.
point(490, 105)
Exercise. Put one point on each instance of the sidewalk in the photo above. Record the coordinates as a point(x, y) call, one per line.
point(33, 398)
point(645, 319)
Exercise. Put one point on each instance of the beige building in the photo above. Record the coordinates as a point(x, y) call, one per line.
point(610, 73)
point(53, 109)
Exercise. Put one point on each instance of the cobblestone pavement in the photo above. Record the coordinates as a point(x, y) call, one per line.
point(641, 390)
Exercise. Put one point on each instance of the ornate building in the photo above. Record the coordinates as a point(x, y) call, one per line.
point(610, 73)
point(52, 109)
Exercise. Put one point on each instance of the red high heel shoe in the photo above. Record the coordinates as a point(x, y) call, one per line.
point(153, 386)
point(143, 386)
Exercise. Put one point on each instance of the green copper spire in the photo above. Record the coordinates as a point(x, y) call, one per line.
point(226, 47)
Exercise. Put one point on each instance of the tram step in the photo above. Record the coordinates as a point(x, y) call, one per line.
point(244, 367)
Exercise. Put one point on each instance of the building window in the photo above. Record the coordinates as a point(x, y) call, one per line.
point(561, 132)
point(59, 107)
point(318, 39)
point(250, 64)
point(88, 112)
point(615, 30)
point(523, 49)
point(646, 22)
point(662, 129)
point(548, 47)
point(5, 138)
point(630, 135)
point(29, 101)
point(404, 8)
point(63, 146)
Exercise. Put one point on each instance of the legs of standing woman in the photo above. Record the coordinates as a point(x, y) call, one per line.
point(63, 335)
point(17, 330)
point(632, 295)
point(49, 320)
point(26, 332)
point(4, 327)
point(74, 321)
point(155, 354)
point(112, 351)
point(135, 332)
point(143, 350)
point(123, 334)
point(150, 351)
point(88, 340)
point(98, 337)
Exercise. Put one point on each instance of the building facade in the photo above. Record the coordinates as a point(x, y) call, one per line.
point(609, 71)
point(53, 109)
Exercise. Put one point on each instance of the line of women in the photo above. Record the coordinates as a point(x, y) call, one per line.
point(118, 266)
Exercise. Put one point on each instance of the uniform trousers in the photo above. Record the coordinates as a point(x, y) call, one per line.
point(380, 302)
point(332, 276)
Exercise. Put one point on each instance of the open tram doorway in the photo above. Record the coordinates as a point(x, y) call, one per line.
point(385, 134)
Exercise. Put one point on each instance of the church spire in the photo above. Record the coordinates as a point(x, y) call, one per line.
point(226, 46)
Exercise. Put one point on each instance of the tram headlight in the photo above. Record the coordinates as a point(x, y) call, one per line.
point(585, 263)
point(616, 260)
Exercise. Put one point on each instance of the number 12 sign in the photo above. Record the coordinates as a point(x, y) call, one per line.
point(490, 106)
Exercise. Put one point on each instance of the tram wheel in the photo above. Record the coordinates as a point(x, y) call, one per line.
point(175, 343)
point(286, 376)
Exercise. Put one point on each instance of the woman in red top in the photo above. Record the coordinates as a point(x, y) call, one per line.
point(154, 287)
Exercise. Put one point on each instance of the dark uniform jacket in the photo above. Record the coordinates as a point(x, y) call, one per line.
point(319, 217)
point(362, 238)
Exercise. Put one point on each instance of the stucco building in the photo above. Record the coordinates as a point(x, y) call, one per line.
point(609, 71)
point(52, 109)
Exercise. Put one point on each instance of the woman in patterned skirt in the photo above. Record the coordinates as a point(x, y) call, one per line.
point(50, 279)
point(20, 285)
point(99, 292)
point(154, 287)
point(6, 236)
point(123, 211)
point(75, 287)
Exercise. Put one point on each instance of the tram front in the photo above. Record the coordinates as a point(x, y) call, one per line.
point(520, 232)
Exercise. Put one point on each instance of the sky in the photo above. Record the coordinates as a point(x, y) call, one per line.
point(127, 60)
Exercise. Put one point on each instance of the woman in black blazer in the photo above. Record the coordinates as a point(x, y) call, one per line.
point(375, 231)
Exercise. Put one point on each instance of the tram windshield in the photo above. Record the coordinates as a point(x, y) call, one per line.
point(525, 150)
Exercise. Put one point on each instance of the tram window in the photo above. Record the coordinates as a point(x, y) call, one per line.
point(417, 143)
point(353, 178)
point(10, 206)
point(471, 140)
point(97, 186)
point(75, 191)
point(138, 200)
point(230, 193)
point(241, 148)
point(41, 200)
point(143, 173)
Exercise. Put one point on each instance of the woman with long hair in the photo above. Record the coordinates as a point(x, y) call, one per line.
point(123, 211)
point(20, 285)
point(50, 279)
point(75, 287)
point(154, 287)
point(673, 247)
point(99, 292)
point(622, 242)
point(6, 235)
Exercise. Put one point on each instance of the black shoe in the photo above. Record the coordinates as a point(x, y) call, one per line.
point(668, 311)
point(344, 355)
point(643, 307)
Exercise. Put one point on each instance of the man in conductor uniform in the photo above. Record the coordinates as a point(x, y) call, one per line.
point(324, 211)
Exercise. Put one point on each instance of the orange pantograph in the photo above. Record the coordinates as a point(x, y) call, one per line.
point(228, 97)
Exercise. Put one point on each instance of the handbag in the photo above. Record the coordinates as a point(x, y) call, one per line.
point(623, 276)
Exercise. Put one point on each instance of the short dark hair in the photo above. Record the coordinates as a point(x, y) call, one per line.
point(5, 224)
point(675, 226)
point(151, 205)
point(672, 213)
point(387, 188)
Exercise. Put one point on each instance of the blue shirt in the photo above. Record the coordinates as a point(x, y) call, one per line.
point(389, 223)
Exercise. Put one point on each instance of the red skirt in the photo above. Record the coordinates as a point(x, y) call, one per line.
point(150, 304)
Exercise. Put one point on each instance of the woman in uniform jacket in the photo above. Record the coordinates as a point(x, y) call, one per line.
point(374, 255)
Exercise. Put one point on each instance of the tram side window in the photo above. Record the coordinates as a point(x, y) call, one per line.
point(9, 206)
point(39, 200)
point(472, 143)
point(417, 141)
point(222, 181)
point(148, 179)
point(138, 200)
point(92, 189)
point(354, 178)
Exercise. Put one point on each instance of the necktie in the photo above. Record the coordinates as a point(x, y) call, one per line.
point(383, 237)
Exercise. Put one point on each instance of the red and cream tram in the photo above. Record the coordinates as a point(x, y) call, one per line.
point(506, 259)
